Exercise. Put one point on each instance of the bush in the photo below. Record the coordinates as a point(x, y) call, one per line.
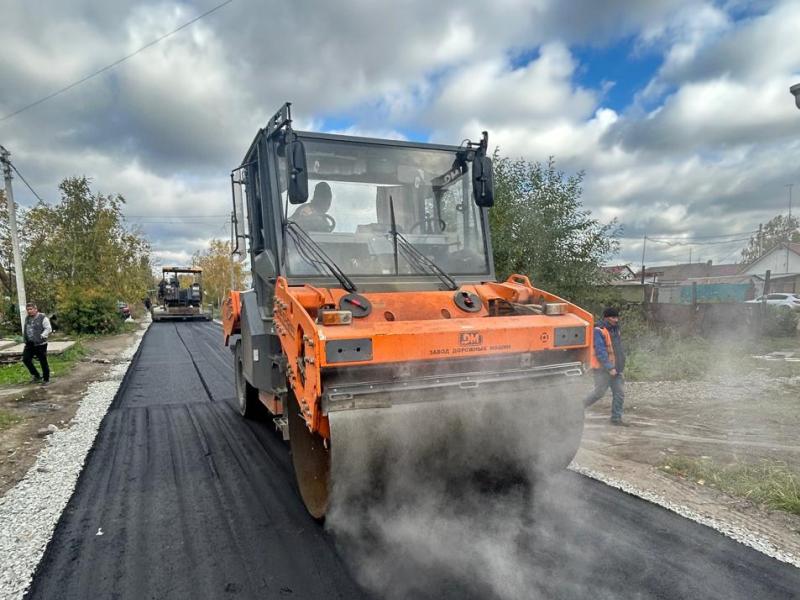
point(780, 321)
point(9, 318)
point(668, 357)
point(90, 311)
point(634, 326)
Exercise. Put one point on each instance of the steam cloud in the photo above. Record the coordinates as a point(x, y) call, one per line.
point(447, 499)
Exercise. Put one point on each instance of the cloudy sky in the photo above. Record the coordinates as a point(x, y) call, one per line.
point(678, 111)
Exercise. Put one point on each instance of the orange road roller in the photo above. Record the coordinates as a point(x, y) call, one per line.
point(374, 307)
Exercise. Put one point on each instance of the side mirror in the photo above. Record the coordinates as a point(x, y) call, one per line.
point(296, 172)
point(483, 181)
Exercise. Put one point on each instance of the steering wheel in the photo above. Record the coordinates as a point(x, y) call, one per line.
point(442, 224)
point(331, 222)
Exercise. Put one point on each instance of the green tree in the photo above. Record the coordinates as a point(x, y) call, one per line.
point(541, 229)
point(81, 247)
point(218, 268)
point(779, 229)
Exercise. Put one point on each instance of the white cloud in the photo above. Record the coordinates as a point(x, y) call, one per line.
point(687, 33)
point(706, 147)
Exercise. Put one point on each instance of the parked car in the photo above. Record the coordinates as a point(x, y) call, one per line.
point(123, 309)
point(779, 299)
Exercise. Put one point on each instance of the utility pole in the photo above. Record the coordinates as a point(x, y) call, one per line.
point(760, 238)
point(12, 226)
point(690, 255)
point(790, 186)
point(644, 249)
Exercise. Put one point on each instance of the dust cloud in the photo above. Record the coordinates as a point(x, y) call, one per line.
point(448, 499)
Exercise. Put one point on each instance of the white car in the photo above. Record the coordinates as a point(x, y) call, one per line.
point(782, 299)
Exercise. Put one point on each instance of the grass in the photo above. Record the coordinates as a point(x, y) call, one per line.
point(664, 354)
point(7, 419)
point(671, 357)
point(668, 358)
point(774, 485)
point(130, 327)
point(16, 373)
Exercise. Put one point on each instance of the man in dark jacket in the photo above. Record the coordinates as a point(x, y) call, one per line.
point(37, 330)
point(314, 215)
point(608, 363)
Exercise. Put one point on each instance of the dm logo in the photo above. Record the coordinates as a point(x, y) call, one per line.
point(470, 338)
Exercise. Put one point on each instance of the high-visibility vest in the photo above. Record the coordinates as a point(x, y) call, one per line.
point(596, 364)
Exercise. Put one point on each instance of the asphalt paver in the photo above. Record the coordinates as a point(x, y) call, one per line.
point(182, 498)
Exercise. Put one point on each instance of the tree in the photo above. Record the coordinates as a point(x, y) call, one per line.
point(80, 246)
point(540, 229)
point(218, 267)
point(778, 230)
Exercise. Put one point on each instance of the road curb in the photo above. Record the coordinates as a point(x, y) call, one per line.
point(734, 532)
point(31, 511)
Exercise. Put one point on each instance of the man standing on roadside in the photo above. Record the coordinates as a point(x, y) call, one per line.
point(608, 363)
point(37, 330)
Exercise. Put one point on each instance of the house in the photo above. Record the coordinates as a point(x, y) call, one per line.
point(783, 262)
point(782, 259)
point(619, 273)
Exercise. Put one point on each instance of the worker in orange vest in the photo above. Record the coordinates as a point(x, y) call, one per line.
point(608, 363)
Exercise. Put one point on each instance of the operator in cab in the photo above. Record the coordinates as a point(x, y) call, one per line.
point(314, 216)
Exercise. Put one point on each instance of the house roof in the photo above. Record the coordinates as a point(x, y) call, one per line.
point(724, 270)
point(686, 271)
point(738, 278)
point(618, 270)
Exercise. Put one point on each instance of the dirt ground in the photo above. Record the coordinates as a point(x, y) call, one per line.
point(746, 417)
point(40, 407)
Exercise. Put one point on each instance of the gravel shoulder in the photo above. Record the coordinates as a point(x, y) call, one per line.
point(53, 407)
point(31, 508)
point(749, 418)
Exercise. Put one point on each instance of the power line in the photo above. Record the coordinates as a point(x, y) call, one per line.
point(174, 221)
point(160, 216)
point(113, 64)
point(729, 254)
point(676, 243)
point(25, 181)
point(679, 237)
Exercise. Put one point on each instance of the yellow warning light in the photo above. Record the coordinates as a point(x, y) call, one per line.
point(335, 317)
point(556, 308)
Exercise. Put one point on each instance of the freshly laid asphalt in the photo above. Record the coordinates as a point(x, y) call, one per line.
point(182, 498)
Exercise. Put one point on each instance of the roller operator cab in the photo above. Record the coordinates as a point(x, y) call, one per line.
point(374, 290)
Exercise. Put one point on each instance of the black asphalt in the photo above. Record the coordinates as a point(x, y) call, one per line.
point(181, 498)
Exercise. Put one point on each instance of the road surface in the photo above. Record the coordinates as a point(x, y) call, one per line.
point(181, 498)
